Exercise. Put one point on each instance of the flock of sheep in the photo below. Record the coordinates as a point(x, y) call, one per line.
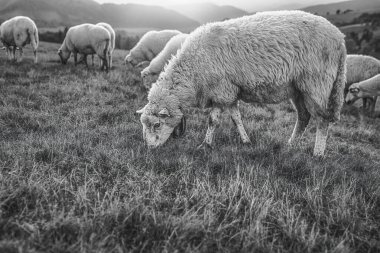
point(267, 57)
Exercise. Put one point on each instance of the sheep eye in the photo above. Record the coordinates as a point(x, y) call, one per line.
point(156, 125)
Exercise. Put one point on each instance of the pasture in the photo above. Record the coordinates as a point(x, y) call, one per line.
point(75, 175)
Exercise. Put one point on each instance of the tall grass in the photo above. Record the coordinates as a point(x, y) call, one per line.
point(75, 175)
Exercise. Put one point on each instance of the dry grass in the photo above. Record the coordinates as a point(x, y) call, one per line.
point(75, 175)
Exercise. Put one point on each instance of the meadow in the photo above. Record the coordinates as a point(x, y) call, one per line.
point(75, 175)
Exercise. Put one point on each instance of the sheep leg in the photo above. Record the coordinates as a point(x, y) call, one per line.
point(321, 137)
point(21, 54)
point(75, 58)
point(213, 122)
point(92, 58)
point(14, 53)
point(9, 53)
point(236, 118)
point(373, 106)
point(303, 118)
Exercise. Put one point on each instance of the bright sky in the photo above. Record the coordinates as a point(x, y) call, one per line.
point(248, 5)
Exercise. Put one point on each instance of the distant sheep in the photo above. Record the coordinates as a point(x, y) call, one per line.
point(150, 45)
point(86, 39)
point(360, 68)
point(112, 46)
point(15, 33)
point(150, 73)
point(364, 89)
point(264, 58)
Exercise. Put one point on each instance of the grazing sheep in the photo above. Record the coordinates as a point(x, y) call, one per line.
point(15, 33)
point(364, 89)
point(360, 68)
point(112, 46)
point(149, 46)
point(86, 39)
point(264, 58)
point(150, 73)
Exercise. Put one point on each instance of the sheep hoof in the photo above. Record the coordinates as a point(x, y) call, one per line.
point(205, 146)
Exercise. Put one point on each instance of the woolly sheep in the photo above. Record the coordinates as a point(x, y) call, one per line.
point(150, 73)
point(360, 68)
point(15, 33)
point(264, 58)
point(364, 89)
point(86, 39)
point(149, 46)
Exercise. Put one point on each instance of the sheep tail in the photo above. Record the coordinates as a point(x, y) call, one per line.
point(336, 96)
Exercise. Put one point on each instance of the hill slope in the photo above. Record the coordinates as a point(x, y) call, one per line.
point(49, 13)
point(207, 12)
point(354, 5)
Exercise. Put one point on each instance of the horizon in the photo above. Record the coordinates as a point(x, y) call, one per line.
point(246, 5)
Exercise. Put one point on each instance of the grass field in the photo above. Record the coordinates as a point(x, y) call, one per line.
point(75, 175)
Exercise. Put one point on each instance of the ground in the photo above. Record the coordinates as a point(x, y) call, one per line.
point(75, 175)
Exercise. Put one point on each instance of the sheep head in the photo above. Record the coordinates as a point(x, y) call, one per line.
point(64, 55)
point(354, 93)
point(148, 78)
point(161, 117)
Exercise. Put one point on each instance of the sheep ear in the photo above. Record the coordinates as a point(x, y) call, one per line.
point(180, 130)
point(164, 113)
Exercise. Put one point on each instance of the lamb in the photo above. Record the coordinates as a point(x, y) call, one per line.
point(150, 73)
point(16, 33)
point(86, 39)
point(360, 68)
point(149, 46)
point(364, 89)
point(264, 58)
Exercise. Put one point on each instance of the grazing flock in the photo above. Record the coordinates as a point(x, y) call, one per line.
point(268, 57)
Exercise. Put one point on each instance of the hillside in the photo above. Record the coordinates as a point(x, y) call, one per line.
point(207, 12)
point(354, 5)
point(52, 13)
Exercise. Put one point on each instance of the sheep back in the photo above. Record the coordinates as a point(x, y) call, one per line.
point(150, 44)
point(170, 49)
point(360, 68)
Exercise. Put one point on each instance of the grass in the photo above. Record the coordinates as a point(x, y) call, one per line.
point(75, 175)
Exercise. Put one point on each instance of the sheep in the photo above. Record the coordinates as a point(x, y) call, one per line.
point(364, 89)
point(263, 58)
point(150, 73)
point(15, 33)
point(150, 45)
point(360, 68)
point(112, 46)
point(86, 39)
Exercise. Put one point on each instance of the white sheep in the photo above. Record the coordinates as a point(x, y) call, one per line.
point(150, 73)
point(364, 89)
point(263, 58)
point(360, 68)
point(86, 39)
point(112, 46)
point(15, 33)
point(150, 45)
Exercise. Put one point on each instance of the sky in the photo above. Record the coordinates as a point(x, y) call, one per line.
point(248, 5)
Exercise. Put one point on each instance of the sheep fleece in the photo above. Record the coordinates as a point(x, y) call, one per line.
point(267, 57)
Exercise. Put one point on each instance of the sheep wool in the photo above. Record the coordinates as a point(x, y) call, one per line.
point(16, 33)
point(86, 39)
point(263, 58)
point(150, 73)
point(149, 46)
